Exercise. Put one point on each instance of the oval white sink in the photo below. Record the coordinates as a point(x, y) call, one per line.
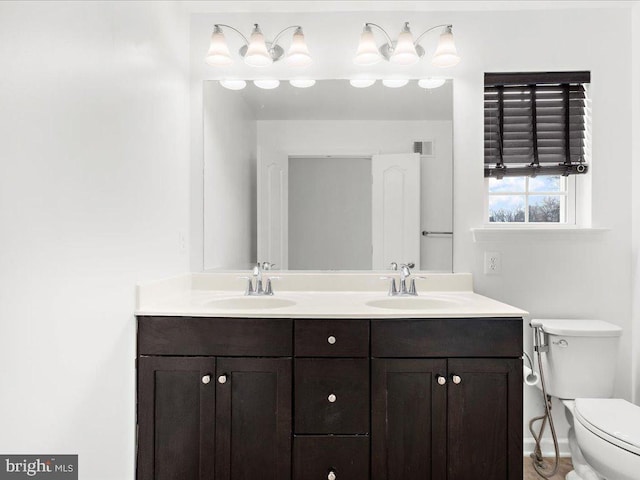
point(246, 303)
point(412, 303)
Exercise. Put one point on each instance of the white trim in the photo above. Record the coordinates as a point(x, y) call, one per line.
point(534, 232)
point(547, 447)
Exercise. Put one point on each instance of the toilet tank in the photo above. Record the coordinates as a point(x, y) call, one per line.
point(582, 357)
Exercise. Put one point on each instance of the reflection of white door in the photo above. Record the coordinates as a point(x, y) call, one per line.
point(396, 209)
point(273, 204)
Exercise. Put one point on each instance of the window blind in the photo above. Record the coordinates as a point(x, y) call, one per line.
point(535, 124)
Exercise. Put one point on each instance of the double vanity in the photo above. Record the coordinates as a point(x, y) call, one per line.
point(329, 378)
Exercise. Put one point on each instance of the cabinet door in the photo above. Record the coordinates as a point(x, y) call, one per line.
point(253, 419)
point(408, 420)
point(176, 413)
point(485, 419)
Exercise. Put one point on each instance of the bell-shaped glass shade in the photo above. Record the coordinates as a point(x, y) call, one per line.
point(267, 83)
point(298, 54)
point(404, 52)
point(302, 82)
point(233, 84)
point(218, 54)
point(395, 82)
point(362, 82)
point(446, 54)
point(367, 53)
point(257, 54)
point(431, 82)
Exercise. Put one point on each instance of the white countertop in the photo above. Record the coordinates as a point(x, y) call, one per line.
point(317, 295)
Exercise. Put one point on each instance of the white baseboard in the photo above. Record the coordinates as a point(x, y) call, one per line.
point(547, 447)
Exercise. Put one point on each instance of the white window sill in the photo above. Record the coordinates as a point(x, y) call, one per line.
point(503, 233)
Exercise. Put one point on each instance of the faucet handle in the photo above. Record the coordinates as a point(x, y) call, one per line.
point(267, 265)
point(267, 289)
point(393, 290)
point(412, 287)
point(249, 289)
point(393, 266)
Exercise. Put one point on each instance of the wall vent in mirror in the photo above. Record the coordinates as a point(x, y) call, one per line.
point(424, 148)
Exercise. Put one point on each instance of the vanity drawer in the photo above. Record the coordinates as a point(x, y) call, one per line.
point(331, 338)
point(451, 337)
point(314, 458)
point(247, 337)
point(331, 396)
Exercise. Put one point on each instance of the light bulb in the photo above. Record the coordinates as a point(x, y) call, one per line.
point(233, 84)
point(257, 54)
point(395, 82)
point(362, 82)
point(302, 82)
point(404, 52)
point(267, 84)
point(298, 55)
point(218, 54)
point(431, 82)
point(368, 53)
point(446, 54)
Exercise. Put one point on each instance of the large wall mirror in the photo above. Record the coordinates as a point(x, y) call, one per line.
point(329, 177)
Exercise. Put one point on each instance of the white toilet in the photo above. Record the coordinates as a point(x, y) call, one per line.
point(579, 368)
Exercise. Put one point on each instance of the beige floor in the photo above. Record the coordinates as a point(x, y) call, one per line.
point(564, 468)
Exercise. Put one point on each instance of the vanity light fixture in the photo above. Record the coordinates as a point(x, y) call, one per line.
point(362, 82)
point(302, 82)
point(233, 84)
point(257, 52)
point(430, 83)
point(405, 50)
point(267, 84)
point(395, 82)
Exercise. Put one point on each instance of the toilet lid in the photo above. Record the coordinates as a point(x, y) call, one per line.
point(614, 419)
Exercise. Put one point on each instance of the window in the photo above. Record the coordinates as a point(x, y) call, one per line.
point(536, 141)
point(547, 199)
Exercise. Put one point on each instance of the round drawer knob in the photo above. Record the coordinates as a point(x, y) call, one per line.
point(456, 379)
point(206, 379)
point(222, 379)
point(332, 398)
point(331, 340)
point(332, 475)
point(441, 379)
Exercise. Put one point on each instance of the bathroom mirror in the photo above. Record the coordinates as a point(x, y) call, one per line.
point(329, 177)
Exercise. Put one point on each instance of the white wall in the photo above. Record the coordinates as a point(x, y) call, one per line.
point(230, 179)
point(593, 277)
point(94, 197)
point(635, 179)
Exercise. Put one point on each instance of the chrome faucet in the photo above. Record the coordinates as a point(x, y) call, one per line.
point(259, 289)
point(405, 274)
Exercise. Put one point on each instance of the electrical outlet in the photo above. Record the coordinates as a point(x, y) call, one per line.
point(492, 263)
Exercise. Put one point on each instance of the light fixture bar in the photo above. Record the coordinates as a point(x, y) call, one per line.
point(444, 25)
point(405, 50)
point(256, 51)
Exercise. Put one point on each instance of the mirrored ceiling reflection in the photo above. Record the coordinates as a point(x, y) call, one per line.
point(329, 177)
point(338, 100)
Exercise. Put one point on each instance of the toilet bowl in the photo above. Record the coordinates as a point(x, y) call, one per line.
point(607, 432)
point(579, 359)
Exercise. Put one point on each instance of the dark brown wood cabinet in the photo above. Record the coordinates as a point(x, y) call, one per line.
point(409, 419)
point(446, 418)
point(214, 417)
point(383, 399)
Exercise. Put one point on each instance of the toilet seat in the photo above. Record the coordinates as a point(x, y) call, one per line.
point(614, 420)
